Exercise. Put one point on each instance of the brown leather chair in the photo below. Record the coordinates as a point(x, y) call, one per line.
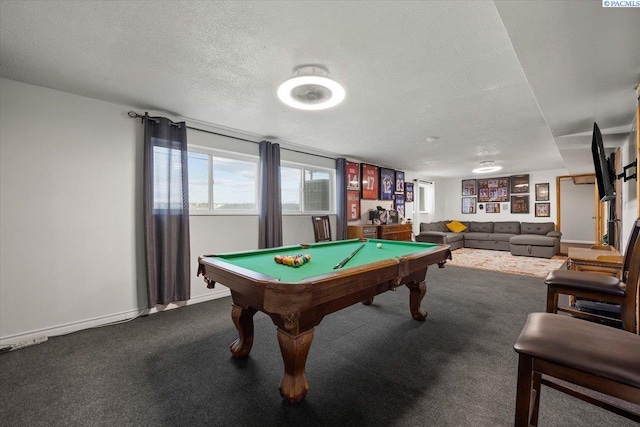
point(321, 228)
point(602, 288)
point(579, 353)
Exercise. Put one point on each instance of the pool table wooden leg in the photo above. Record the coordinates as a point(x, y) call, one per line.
point(294, 349)
point(417, 291)
point(243, 319)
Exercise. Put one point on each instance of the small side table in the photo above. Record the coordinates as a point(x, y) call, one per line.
point(597, 259)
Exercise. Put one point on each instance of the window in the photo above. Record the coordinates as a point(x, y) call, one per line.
point(290, 182)
point(306, 189)
point(198, 180)
point(426, 197)
point(222, 182)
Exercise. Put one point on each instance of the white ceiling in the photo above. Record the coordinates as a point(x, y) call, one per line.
point(516, 82)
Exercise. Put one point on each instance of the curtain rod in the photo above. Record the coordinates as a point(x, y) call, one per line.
point(135, 115)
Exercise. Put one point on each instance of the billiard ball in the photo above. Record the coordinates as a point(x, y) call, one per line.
point(379, 245)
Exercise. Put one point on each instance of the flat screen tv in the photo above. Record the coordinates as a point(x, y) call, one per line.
point(604, 170)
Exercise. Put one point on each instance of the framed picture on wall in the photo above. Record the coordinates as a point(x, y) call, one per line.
point(369, 189)
point(353, 205)
point(399, 205)
point(400, 182)
point(353, 175)
point(469, 187)
point(542, 192)
point(543, 209)
point(493, 189)
point(519, 204)
point(493, 207)
point(387, 183)
point(468, 205)
point(408, 192)
point(520, 184)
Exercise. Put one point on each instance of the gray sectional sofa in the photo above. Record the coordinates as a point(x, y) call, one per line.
point(536, 239)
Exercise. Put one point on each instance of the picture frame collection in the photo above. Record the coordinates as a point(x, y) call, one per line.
point(371, 182)
point(492, 195)
point(504, 194)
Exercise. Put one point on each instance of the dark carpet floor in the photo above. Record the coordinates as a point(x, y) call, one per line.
point(368, 366)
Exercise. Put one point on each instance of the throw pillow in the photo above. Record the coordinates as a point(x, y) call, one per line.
point(456, 226)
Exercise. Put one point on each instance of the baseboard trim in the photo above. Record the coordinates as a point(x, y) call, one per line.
point(100, 321)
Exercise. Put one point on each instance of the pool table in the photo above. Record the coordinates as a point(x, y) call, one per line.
point(297, 299)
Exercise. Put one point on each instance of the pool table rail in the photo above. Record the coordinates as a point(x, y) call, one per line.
point(327, 293)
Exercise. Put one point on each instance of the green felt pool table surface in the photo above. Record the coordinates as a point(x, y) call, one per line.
point(324, 256)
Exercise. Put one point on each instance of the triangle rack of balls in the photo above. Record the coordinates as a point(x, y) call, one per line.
point(292, 260)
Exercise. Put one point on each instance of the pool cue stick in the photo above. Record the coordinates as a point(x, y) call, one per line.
point(346, 260)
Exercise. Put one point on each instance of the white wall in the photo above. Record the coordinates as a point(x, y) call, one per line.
point(629, 190)
point(68, 211)
point(71, 248)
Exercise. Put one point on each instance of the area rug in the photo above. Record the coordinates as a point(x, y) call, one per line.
point(504, 262)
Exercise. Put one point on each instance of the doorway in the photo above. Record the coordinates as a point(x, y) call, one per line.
point(579, 213)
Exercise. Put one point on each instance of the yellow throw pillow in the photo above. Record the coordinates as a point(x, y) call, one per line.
point(456, 226)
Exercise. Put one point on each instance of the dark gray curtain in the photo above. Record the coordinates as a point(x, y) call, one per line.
point(166, 211)
point(341, 198)
point(270, 221)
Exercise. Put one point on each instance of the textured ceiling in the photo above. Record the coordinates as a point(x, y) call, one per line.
point(583, 62)
point(491, 81)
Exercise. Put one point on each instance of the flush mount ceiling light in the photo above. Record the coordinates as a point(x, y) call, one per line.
point(486, 167)
point(431, 138)
point(311, 89)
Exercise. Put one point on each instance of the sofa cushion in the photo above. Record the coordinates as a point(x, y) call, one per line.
point(453, 237)
point(477, 236)
point(440, 238)
point(541, 228)
point(508, 227)
point(533, 240)
point(502, 237)
point(481, 227)
point(456, 226)
point(449, 234)
point(434, 226)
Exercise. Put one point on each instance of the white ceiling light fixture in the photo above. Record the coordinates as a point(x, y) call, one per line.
point(486, 167)
point(311, 89)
